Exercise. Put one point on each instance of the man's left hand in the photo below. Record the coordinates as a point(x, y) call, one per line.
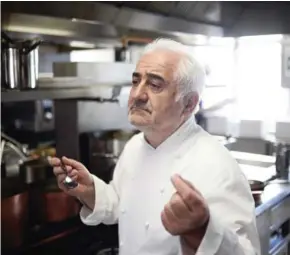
point(187, 213)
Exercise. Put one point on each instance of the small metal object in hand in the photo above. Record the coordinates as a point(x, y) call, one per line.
point(68, 182)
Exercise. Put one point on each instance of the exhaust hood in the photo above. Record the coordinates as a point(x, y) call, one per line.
point(108, 22)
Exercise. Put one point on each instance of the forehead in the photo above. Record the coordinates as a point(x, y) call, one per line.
point(159, 62)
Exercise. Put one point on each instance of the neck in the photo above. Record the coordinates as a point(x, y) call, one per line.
point(155, 137)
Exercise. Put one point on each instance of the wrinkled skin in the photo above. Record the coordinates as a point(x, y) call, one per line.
point(153, 107)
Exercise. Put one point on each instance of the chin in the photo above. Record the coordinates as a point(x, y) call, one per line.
point(138, 121)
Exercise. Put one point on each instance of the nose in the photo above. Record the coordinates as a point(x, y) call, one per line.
point(140, 92)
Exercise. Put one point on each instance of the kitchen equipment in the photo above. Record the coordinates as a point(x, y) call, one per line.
point(55, 204)
point(13, 155)
point(10, 64)
point(21, 148)
point(68, 182)
point(257, 185)
point(20, 63)
point(100, 151)
point(14, 212)
point(283, 161)
point(33, 170)
point(34, 116)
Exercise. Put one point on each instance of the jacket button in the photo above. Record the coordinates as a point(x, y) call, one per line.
point(147, 225)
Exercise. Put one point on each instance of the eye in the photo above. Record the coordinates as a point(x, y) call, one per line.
point(155, 86)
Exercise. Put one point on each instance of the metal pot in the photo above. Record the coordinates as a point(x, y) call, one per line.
point(14, 212)
point(29, 64)
point(10, 64)
point(33, 170)
point(56, 205)
point(19, 63)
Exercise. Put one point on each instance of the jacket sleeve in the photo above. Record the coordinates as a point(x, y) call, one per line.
point(232, 225)
point(106, 208)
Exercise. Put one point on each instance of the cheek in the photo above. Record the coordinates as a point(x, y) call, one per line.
point(130, 98)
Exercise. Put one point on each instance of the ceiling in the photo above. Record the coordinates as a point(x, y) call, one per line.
point(106, 23)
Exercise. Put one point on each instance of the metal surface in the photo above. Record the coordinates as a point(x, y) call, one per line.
point(31, 171)
point(92, 92)
point(113, 20)
point(66, 126)
point(68, 182)
point(10, 66)
point(271, 213)
point(124, 18)
point(29, 66)
point(19, 63)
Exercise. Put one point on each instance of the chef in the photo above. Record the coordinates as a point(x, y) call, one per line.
point(176, 190)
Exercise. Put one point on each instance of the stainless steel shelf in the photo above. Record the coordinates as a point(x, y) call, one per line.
point(85, 93)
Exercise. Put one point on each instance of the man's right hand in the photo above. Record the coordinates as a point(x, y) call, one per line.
point(78, 172)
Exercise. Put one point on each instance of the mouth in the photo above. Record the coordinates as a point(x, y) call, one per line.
point(132, 109)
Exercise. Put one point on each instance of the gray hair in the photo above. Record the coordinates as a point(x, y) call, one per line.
point(190, 75)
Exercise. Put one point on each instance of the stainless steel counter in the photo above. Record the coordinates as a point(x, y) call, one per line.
point(273, 219)
point(274, 193)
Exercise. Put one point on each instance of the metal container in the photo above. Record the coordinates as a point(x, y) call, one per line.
point(55, 204)
point(29, 65)
point(10, 67)
point(33, 170)
point(19, 64)
point(14, 212)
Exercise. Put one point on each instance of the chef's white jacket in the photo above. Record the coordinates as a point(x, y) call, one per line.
point(141, 186)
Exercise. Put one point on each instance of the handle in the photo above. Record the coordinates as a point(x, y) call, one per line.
point(28, 49)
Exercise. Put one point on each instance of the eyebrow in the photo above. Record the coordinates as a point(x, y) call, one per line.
point(149, 75)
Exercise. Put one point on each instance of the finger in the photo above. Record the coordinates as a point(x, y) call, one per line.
point(190, 185)
point(73, 163)
point(188, 195)
point(170, 221)
point(165, 222)
point(58, 170)
point(178, 207)
point(61, 178)
point(67, 168)
point(53, 161)
point(74, 178)
point(73, 173)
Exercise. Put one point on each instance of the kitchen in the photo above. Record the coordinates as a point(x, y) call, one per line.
point(77, 60)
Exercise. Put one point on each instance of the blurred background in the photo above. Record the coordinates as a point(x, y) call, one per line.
point(65, 78)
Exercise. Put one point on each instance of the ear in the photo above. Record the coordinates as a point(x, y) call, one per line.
point(190, 102)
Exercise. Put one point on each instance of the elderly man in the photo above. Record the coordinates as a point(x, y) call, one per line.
point(175, 189)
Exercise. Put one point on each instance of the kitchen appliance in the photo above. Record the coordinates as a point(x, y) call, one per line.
point(12, 155)
point(32, 116)
point(283, 161)
point(100, 151)
point(19, 63)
